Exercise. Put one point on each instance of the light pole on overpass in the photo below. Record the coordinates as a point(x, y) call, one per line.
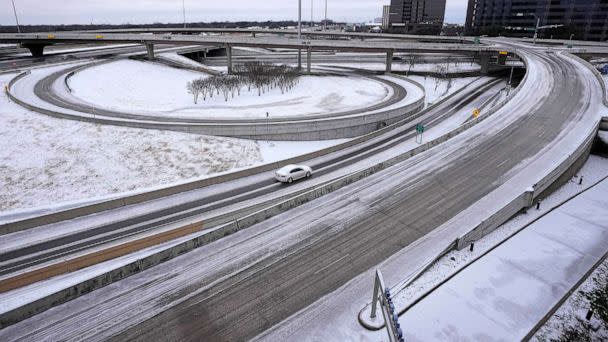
point(184, 11)
point(325, 22)
point(16, 18)
point(299, 33)
point(311, 14)
point(535, 27)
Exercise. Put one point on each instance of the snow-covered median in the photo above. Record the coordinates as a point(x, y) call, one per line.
point(45, 160)
point(153, 89)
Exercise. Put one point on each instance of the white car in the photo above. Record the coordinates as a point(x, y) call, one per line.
point(290, 173)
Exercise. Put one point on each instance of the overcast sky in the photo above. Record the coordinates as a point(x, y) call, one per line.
point(150, 11)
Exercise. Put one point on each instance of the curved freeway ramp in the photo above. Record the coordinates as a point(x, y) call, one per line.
point(402, 104)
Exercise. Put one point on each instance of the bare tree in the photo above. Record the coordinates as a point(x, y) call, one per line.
point(412, 60)
point(263, 76)
point(194, 88)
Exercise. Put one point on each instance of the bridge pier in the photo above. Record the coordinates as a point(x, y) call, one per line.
point(484, 61)
point(229, 58)
point(37, 50)
point(389, 61)
point(299, 59)
point(308, 59)
point(150, 49)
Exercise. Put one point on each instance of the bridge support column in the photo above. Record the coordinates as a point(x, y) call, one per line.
point(229, 57)
point(150, 49)
point(299, 59)
point(484, 61)
point(308, 59)
point(389, 61)
point(37, 50)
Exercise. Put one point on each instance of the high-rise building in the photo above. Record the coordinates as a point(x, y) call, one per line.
point(581, 19)
point(416, 16)
point(386, 10)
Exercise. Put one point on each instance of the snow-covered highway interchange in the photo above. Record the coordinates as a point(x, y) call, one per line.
point(258, 251)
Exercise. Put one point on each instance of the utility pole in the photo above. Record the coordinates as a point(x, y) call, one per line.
point(325, 22)
point(16, 18)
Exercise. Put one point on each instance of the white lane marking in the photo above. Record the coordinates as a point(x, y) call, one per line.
point(332, 263)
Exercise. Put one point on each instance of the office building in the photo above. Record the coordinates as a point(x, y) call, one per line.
point(586, 20)
point(386, 10)
point(416, 16)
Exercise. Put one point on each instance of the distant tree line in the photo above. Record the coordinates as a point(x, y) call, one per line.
point(225, 24)
point(262, 76)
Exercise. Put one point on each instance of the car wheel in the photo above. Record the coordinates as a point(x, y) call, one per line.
point(307, 174)
point(290, 180)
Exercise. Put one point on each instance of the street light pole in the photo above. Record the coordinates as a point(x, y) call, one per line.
point(184, 11)
point(299, 33)
point(16, 18)
point(311, 14)
point(536, 28)
point(325, 22)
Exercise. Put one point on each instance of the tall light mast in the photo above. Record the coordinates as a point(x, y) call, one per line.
point(16, 18)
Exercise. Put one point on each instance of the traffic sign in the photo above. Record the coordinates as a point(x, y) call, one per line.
point(476, 113)
point(420, 128)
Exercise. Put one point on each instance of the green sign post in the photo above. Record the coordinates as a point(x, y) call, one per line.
point(419, 130)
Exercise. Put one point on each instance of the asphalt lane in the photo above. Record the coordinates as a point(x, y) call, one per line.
point(248, 302)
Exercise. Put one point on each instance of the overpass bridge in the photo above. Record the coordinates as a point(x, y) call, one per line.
point(36, 42)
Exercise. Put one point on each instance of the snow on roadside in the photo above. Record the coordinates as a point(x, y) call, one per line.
point(438, 88)
point(594, 170)
point(176, 57)
point(273, 151)
point(570, 314)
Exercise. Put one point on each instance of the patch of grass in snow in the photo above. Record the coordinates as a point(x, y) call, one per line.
point(569, 322)
point(573, 334)
point(598, 298)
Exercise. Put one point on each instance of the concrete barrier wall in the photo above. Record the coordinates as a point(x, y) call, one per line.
point(597, 74)
point(525, 200)
point(542, 188)
point(11, 227)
